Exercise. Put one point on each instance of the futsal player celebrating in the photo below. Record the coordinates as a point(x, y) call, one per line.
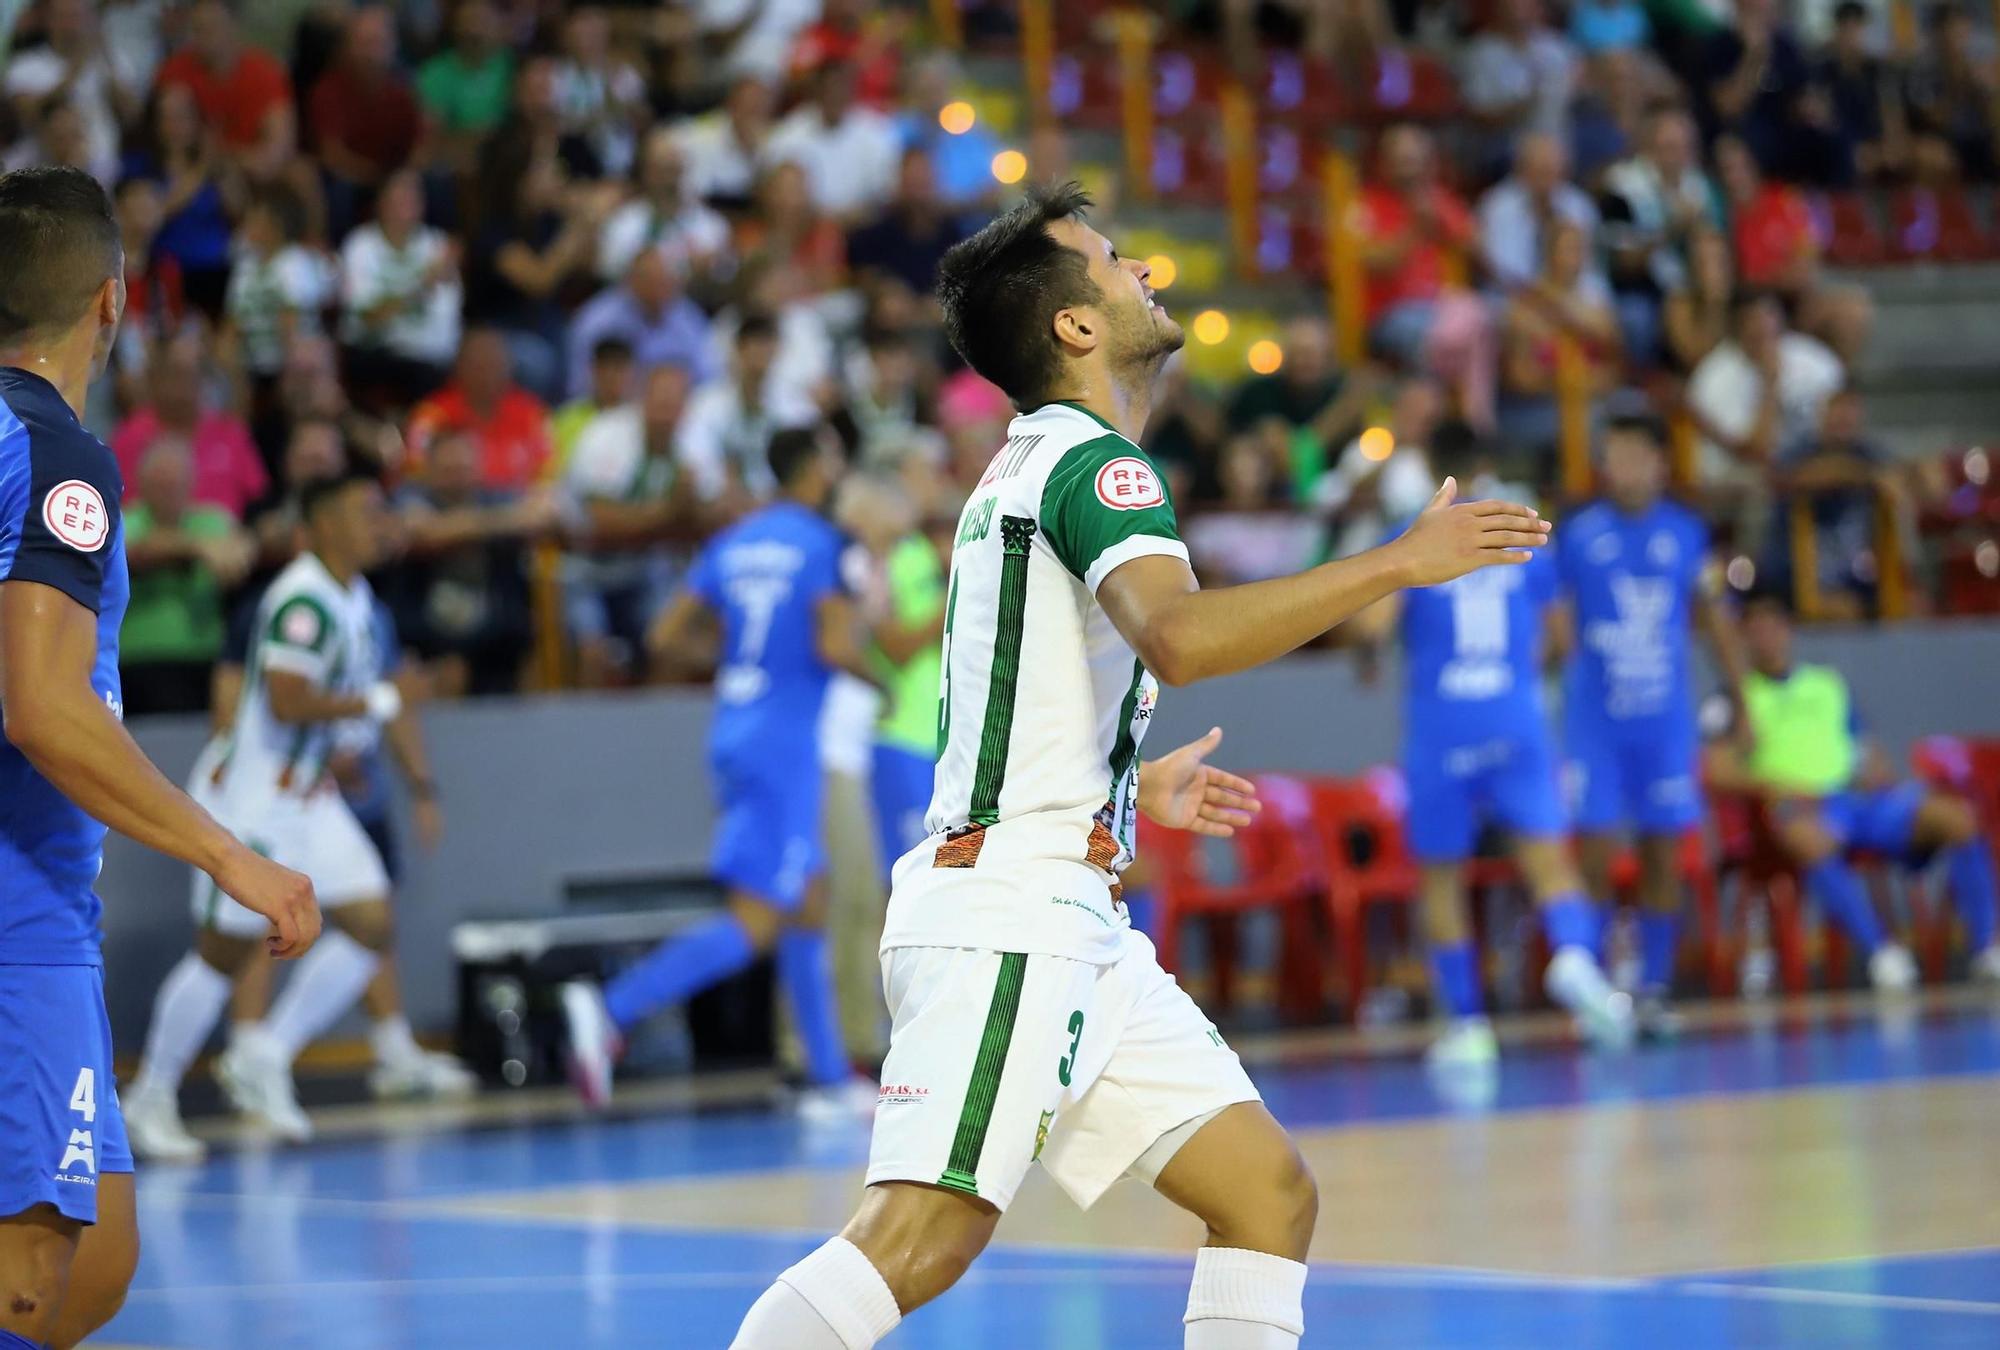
point(68, 1234)
point(1637, 582)
point(1030, 1021)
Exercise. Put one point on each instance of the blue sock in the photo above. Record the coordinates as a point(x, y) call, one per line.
point(1845, 901)
point(1457, 970)
point(1659, 943)
point(1571, 921)
point(9, 1341)
point(680, 968)
point(807, 973)
point(1972, 886)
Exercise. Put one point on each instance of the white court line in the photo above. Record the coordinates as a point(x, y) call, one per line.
point(1835, 1297)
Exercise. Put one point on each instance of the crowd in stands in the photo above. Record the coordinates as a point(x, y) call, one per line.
point(558, 270)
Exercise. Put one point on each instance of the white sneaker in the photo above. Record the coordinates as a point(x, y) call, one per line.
point(1892, 970)
point(834, 1103)
point(595, 1043)
point(426, 1074)
point(153, 1126)
point(1468, 1043)
point(1985, 967)
point(259, 1084)
point(1575, 981)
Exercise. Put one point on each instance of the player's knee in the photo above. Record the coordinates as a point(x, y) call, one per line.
point(34, 1275)
point(1280, 1206)
point(369, 924)
point(760, 921)
point(1952, 820)
point(920, 1240)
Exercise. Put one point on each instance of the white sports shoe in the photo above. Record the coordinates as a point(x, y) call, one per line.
point(426, 1074)
point(833, 1103)
point(1892, 970)
point(259, 1084)
point(1575, 981)
point(595, 1043)
point(153, 1126)
point(1468, 1043)
point(1986, 965)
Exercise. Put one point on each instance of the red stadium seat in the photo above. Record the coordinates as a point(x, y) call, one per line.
point(1848, 231)
point(1367, 863)
point(1698, 873)
point(1277, 866)
point(1940, 226)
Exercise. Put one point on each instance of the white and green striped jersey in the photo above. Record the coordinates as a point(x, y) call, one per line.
point(1042, 704)
point(310, 624)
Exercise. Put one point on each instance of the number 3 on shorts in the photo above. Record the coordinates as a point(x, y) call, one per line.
point(1068, 1065)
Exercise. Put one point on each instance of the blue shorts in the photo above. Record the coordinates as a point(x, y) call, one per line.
point(1511, 780)
point(60, 1126)
point(901, 781)
point(767, 841)
point(1643, 776)
point(1881, 822)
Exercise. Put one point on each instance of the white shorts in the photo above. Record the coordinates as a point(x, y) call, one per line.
point(998, 1060)
point(316, 834)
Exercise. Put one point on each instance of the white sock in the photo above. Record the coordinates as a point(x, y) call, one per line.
point(392, 1040)
point(186, 1009)
point(1245, 1300)
point(330, 978)
point(835, 1299)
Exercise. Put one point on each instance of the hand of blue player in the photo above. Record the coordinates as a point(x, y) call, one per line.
point(1181, 791)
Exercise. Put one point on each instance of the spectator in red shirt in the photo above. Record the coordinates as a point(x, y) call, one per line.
point(1412, 230)
point(243, 92)
point(363, 121)
point(845, 33)
point(510, 425)
point(1778, 250)
point(228, 472)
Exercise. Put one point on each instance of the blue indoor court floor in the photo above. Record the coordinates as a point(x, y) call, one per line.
point(1821, 1176)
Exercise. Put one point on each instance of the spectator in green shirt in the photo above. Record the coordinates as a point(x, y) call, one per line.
point(466, 87)
point(1305, 410)
point(611, 386)
point(182, 557)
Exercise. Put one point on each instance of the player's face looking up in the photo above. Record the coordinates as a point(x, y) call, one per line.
point(1133, 330)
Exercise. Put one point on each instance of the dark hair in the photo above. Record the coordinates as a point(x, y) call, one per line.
point(1637, 424)
point(756, 324)
point(792, 450)
point(1764, 595)
point(284, 206)
point(58, 244)
point(1002, 288)
point(1455, 448)
point(1746, 299)
point(611, 349)
point(316, 493)
point(1850, 11)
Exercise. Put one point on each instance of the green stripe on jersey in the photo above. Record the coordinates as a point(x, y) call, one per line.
point(1016, 534)
point(962, 1168)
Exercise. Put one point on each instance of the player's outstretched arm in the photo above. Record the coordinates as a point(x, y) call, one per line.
point(1184, 633)
point(48, 644)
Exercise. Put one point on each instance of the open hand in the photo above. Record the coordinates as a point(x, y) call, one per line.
point(1450, 538)
point(1182, 792)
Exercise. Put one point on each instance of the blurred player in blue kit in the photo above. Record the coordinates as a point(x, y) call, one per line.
point(1635, 574)
point(1478, 749)
point(773, 581)
point(68, 770)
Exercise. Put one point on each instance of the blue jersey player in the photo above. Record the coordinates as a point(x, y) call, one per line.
point(1635, 573)
point(1477, 749)
point(773, 581)
point(68, 1235)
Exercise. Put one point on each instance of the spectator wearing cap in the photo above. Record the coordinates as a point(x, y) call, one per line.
point(730, 418)
point(1778, 249)
point(648, 311)
point(363, 120)
point(633, 494)
point(508, 425)
point(725, 148)
point(664, 215)
point(400, 298)
point(225, 471)
point(910, 239)
point(849, 151)
point(465, 88)
point(242, 91)
point(183, 555)
point(1411, 229)
point(1519, 76)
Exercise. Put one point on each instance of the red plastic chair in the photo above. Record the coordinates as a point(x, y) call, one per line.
point(1697, 871)
point(1277, 866)
point(1367, 863)
point(1848, 230)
